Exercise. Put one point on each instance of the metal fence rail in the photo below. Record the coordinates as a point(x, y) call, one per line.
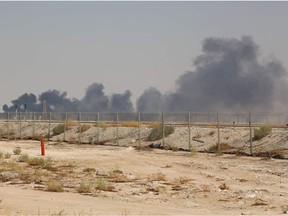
point(236, 118)
point(118, 128)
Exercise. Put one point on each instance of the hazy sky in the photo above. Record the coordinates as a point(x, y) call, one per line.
point(123, 45)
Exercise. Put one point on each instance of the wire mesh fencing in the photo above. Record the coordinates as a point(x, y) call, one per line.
point(210, 132)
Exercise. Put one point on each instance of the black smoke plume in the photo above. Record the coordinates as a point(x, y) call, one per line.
point(94, 100)
point(151, 100)
point(25, 101)
point(121, 102)
point(57, 101)
point(228, 76)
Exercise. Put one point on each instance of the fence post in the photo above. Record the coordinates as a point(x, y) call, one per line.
point(189, 130)
point(49, 127)
point(139, 129)
point(218, 132)
point(33, 127)
point(117, 132)
point(163, 131)
point(65, 126)
point(80, 129)
point(98, 128)
point(8, 121)
point(20, 124)
point(250, 134)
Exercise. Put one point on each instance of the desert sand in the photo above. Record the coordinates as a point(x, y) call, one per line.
point(139, 182)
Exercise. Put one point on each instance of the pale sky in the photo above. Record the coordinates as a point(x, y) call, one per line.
point(124, 45)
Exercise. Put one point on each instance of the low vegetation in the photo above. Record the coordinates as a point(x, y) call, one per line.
point(223, 147)
point(84, 187)
point(157, 132)
point(102, 184)
point(55, 186)
point(7, 155)
point(130, 124)
point(59, 129)
point(262, 132)
point(17, 151)
point(159, 176)
point(193, 151)
point(89, 169)
point(83, 128)
point(23, 158)
point(42, 162)
point(211, 133)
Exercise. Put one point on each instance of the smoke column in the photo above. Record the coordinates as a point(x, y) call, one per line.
point(94, 100)
point(228, 76)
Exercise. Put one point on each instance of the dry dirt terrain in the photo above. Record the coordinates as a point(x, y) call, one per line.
point(107, 180)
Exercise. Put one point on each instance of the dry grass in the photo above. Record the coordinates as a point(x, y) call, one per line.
point(153, 124)
point(23, 158)
point(89, 170)
point(223, 147)
point(143, 148)
point(197, 136)
point(84, 187)
point(130, 124)
point(40, 174)
point(71, 124)
point(224, 186)
point(211, 133)
point(7, 155)
point(13, 166)
point(193, 151)
point(206, 188)
point(102, 184)
point(42, 162)
point(84, 128)
point(157, 177)
point(174, 148)
point(103, 125)
point(117, 176)
point(182, 180)
point(55, 186)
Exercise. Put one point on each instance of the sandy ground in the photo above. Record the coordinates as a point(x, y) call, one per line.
point(147, 182)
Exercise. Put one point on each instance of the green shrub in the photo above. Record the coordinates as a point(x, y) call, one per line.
point(261, 132)
point(59, 129)
point(23, 158)
point(40, 162)
point(193, 151)
point(157, 132)
point(84, 187)
point(17, 151)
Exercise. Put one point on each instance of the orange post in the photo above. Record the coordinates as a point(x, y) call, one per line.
point(42, 147)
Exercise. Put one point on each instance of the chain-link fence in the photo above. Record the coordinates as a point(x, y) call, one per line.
point(234, 133)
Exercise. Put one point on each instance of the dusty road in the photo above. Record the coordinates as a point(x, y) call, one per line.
point(126, 181)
